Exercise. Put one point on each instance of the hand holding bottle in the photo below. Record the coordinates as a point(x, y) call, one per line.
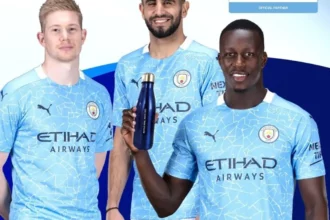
point(128, 127)
point(141, 118)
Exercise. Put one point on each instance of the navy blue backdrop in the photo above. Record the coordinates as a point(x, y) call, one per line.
point(301, 83)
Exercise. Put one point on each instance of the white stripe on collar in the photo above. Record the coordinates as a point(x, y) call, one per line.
point(268, 98)
point(184, 46)
point(42, 75)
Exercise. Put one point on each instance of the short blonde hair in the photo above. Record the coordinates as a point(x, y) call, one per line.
point(58, 5)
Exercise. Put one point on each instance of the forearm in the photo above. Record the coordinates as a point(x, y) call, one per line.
point(98, 172)
point(314, 195)
point(156, 188)
point(319, 211)
point(5, 197)
point(99, 162)
point(119, 168)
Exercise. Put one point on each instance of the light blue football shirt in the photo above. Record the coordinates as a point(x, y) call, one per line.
point(188, 79)
point(52, 133)
point(247, 160)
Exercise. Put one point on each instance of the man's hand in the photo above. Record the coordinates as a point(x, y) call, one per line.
point(128, 128)
point(164, 193)
point(114, 214)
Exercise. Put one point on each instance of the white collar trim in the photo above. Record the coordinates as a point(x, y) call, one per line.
point(42, 75)
point(268, 98)
point(184, 46)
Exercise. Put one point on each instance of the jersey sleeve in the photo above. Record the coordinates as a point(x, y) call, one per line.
point(120, 101)
point(10, 116)
point(104, 136)
point(182, 163)
point(307, 154)
point(213, 83)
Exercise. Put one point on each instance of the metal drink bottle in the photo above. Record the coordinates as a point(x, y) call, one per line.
point(145, 114)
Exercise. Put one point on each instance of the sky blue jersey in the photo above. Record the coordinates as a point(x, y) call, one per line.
point(247, 160)
point(188, 79)
point(52, 133)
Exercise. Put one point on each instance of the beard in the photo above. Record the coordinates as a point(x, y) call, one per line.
point(160, 32)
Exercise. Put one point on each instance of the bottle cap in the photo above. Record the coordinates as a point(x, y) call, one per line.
point(148, 77)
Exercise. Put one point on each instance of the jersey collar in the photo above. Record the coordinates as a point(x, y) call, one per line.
point(42, 75)
point(184, 46)
point(268, 98)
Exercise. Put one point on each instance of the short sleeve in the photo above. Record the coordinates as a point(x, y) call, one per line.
point(104, 136)
point(10, 116)
point(213, 84)
point(307, 154)
point(120, 95)
point(182, 163)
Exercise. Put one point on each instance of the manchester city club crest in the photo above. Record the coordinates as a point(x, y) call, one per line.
point(182, 78)
point(268, 134)
point(93, 110)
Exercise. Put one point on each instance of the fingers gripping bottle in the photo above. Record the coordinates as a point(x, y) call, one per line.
point(145, 114)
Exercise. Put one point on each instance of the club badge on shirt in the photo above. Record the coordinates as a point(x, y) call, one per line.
point(268, 133)
point(182, 78)
point(93, 110)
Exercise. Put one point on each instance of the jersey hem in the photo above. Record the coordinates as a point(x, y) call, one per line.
point(5, 151)
point(180, 177)
point(103, 150)
point(311, 176)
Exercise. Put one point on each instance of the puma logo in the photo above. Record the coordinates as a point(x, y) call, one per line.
point(110, 127)
point(2, 95)
point(206, 133)
point(136, 82)
point(46, 109)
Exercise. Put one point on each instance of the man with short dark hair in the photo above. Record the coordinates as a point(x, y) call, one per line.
point(187, 76)
point(248, 151)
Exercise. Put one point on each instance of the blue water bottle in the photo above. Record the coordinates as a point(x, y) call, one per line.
point(145, 114)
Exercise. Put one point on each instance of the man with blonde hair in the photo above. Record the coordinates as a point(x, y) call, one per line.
point(55, 124)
